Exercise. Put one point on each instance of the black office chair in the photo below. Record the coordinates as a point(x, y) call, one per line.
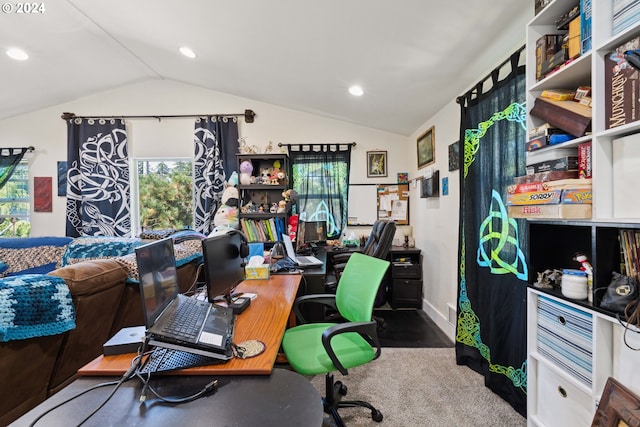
point(378, 245)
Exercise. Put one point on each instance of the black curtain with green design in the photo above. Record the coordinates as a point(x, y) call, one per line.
point(491, 331)
point(9, 159)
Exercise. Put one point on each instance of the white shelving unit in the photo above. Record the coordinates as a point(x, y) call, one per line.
point(566, 375)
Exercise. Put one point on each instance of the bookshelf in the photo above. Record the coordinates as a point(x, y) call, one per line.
point(261, 217)
point(566, 390)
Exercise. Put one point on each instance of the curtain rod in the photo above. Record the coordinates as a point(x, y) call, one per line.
point(249, 116)
point(353, 144)
point(490, 75)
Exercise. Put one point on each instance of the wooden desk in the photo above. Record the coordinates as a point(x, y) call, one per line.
point(264, 320)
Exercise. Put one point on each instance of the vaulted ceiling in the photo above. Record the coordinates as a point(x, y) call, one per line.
point(411, 57)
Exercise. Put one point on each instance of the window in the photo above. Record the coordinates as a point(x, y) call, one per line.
point(165, 194)
point(321, 180)
point(14, 204)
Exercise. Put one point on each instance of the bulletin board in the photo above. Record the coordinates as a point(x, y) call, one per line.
point(393, 202)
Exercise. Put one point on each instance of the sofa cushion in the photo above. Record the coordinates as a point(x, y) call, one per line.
point(90, 277)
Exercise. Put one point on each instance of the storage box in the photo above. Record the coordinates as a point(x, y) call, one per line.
point(577, 196)
point(535, 198)
point(560, 211)
point(621, 87)
point(567, 163)
point(574, 38)
point(584, 160)
point(257, 272)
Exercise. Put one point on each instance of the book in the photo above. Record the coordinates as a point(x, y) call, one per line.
point(546, 48)
point(570, 116)
point(565, 163)
point(585, 26)
point(584, 160)
point(621, 87)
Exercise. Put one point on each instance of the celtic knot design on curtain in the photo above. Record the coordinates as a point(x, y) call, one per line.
point(98, 191)
point(215, 141)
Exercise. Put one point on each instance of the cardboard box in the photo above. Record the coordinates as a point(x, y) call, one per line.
point(577, 196)
point(546, 176)
point(559, 211)
point(258, 272)
point(535, 198)
point(574, 38)
point(563, 164)
point(621, 87)
point(584, 160)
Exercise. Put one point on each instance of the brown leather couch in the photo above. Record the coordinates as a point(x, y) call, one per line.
point(33, 369)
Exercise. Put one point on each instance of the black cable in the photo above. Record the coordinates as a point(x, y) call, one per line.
point(209, 387)
point(127, 375)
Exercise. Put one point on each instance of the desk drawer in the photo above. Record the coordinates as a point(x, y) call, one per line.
point(565, 338)
point(408, 271)
point(406, 293)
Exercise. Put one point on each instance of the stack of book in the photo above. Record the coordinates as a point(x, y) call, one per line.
point(263, 230)
point(625, 14)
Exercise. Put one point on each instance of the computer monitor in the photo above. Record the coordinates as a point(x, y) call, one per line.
point(311, 234)
point(223, 265)
point(158, 277)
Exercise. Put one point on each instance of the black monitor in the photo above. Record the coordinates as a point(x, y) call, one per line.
point(311, 234)
point(223, 265)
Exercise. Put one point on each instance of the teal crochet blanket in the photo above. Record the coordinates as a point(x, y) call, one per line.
point(33, 305)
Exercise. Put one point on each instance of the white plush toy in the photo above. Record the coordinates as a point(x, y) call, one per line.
point(246, 169)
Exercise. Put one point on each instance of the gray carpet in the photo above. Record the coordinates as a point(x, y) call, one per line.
point(421, 387)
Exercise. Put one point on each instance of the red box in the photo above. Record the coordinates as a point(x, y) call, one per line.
point(584, 160)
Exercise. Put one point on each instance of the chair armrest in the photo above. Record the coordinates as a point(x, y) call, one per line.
point(368, 331)
point(325, 299)
point(341, 258)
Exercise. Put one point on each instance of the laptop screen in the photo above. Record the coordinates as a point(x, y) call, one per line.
point(158, 277)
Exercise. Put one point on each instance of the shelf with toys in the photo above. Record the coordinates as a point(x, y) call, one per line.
point(263, 192)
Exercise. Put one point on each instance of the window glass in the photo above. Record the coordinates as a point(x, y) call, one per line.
point(14, 204)
point(165, 194)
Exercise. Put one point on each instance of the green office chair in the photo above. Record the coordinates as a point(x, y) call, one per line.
point(322, 348)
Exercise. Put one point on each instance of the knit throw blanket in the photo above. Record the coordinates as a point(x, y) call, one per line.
point(33, 305)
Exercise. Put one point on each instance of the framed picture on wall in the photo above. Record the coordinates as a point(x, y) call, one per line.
point(376, 164)
point(426, 148)
point(454, 156)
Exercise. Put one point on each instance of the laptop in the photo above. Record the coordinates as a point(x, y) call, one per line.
point(299, 260)
point(207, 329)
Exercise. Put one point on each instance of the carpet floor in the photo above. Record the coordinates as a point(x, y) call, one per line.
point(410, 329)
point(421, 387)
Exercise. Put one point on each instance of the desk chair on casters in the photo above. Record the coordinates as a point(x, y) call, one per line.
point(322, 348)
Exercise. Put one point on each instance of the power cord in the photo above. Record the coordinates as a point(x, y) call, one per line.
point(146, 379)
point(127, 376)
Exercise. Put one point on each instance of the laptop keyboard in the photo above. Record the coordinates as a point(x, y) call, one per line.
point(188, 315)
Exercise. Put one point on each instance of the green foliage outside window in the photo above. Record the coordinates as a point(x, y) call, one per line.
point(165, 191)
point(14, 204)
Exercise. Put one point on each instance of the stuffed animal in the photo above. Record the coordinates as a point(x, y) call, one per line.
point(246, 169)
point(282, 206)
point(233, 179)
point(275, 172)
point(227, 213)
point(265, 176)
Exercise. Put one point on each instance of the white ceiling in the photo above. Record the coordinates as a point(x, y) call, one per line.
point(412, 57)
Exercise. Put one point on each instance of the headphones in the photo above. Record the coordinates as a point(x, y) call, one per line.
point(242, 248)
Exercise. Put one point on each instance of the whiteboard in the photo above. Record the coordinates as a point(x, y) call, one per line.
point(362, 204)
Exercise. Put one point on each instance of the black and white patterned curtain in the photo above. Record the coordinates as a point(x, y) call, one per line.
point(215, 141)
point(98, 191)
point(9, 159)
point(491, 331)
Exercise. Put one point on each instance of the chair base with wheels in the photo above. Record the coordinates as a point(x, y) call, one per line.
point(323, 348)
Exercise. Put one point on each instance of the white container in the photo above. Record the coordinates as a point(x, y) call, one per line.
point(574, 284)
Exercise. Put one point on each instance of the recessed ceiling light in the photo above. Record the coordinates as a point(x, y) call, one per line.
point(17, 54)
point(187, 52)
point(356, 91)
